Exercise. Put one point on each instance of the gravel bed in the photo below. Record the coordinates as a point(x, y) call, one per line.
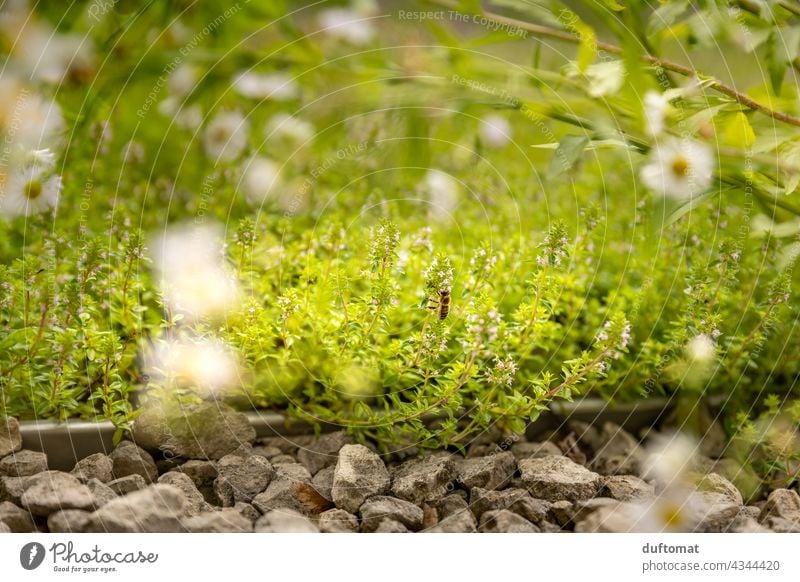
point(594, 480)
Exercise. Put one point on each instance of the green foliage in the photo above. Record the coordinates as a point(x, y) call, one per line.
point(461, 235)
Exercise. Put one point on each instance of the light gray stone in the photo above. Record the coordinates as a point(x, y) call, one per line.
point(284, 521)
point(195, 504)
point(492, 472)
point(17, 519)
point(130, 459)
point(225, 521)
point(294, 471)
point(52, 491)
point(505, 521)
point(782, 525)
point(391, 526)
point(247, 511)
point(558, 478)
point(129, 484)
point(286, 493)
point(102, 492)
point(715, 483)
point(337, 521)
point(423, 478)
point(528, 450)
point(11, 489)
point(10, 437)
point(203, 474)
point(626, 488)
point(619, 454)
point(782, 503)
point(323, 451)
point(23, 463)
point(283, 460)
point(454, 516)
point(158, 508)
point(378, 508)
point(241, 478)
point(68, 521)
point(359, 474)
point(483, 500)
point(97, 466)
point(323, 482)
point(206, 431)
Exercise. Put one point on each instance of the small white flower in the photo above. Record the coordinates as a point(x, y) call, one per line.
point(277, 86)
point(260, 179)
point(442, 192)
point(288, 126)
point(656, 108)
point(225, 137)
point(193, 278)
point(495, 131)
point(669, 458)
point(192, 363)
point(347, 24)
point(679, 169)
point(189, 117)
point(29, 190)
point(701, 349)
point(183, 80)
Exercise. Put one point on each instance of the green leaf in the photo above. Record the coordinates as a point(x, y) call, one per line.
point(738, 132)
point(665, 16)
point(537, 11)
point(569, 150)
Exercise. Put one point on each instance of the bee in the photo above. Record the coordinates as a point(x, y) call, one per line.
point(441, 305)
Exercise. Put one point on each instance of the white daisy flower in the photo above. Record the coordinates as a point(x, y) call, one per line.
point(679, 169)
point(205, 364)
point(495, 131)
point(193, 278)
point(30, 190)
point(225, 137)
point(283, 125)
point(277, 86)
point(260, 180)
point(347, 24)
point(656, 109)
point(442, 192)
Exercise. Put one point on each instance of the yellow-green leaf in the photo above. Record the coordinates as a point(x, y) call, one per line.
point(738, 131)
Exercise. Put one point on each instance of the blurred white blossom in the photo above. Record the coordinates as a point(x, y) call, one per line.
point(495, 131)
point(204, 365)
point(260, 180)
point(656, 108)
point(225, 136)
point(275, 86)
point(283, 125)
point(350, 24)
point(701, 349)
point(441, 191)
point(193, 278)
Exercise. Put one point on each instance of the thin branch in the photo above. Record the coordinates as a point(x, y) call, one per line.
point(554, 33)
